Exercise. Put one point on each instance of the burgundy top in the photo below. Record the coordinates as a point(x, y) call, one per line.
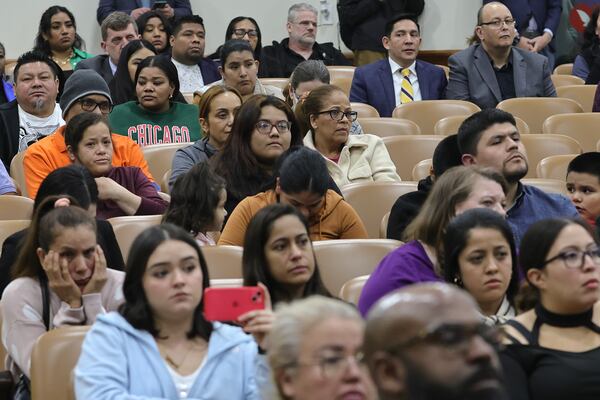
point(134, 180)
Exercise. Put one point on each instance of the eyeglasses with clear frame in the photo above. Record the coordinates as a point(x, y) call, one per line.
point(454, 337)
point(338, 115)
point(575, 258)
point(334, 365)
point(90, 105)
point(265, 127)
point(497, 23)
point(240, 33)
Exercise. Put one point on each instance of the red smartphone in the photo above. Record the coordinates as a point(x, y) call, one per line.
point(227, 304)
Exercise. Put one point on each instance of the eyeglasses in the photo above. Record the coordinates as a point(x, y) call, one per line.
point(90, 105)
point(497, 23)
point(265, 127)
point(455, 337)
point(338, 115)
point(240, 33)
point(576, 258)
point(333, 366)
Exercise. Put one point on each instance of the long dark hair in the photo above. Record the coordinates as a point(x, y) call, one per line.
point(46, 224)
point(255, 267)
point(237, 163)
point(229, 33)
point(73, 180)
point(194, 197)
point(136, 309)
point(163, 63)
point(457, 236)
point(590, 38)
point(42, 44)
point(143, 20)
point(122, 88)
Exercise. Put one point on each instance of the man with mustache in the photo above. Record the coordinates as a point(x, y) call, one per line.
point(187, 53)
point(400, 78)
point(33, 114)
point(490, 138)
point(280, 59)
point(427, 342)
point(493, 69)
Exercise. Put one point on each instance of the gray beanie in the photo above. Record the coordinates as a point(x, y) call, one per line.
point(81, 83)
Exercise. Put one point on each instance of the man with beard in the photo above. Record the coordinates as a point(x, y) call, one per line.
point(33, 114)
point(490, 138)
point(187, 52)
point(280, 59)
point(427, 342)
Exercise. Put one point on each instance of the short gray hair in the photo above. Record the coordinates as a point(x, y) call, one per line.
point(293, 320)
point(116, 21)
point(309, 70)
point(295, 8)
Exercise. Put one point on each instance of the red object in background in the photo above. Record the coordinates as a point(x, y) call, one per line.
point(227, 304)
point(579, 16)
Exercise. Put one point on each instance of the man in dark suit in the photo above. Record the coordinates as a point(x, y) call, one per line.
point(117, 30)
point(187, 53)
point(135, 8)
point(493, 69)
point(401, 77)
point(536, 22)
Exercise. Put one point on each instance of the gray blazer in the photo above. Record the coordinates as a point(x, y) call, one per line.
point(472, 77)
point(100, 64)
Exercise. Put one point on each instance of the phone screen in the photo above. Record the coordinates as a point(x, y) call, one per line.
point(159, 4)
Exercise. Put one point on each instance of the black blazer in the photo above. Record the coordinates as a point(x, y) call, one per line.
point(12, 246)
point(9, 132)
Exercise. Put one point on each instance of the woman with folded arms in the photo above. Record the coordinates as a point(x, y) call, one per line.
point(278, 252)
point(552, 350)
point(350, 158)
point(159, 345)
point(480, 256)
point(61, 279)
point(121, 190)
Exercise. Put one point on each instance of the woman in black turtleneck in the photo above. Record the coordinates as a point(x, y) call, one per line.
point(553, 350)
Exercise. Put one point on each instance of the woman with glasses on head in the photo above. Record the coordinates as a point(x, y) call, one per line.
point(553, 350)
point(315, 351)
point(350, 158)
point(264, 127)
point(300, 180)
point(242, 28)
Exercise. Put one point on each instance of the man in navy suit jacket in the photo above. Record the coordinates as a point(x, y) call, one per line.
point(538, 18)
point(187, 53)
point(379, 83)
point(135, 8)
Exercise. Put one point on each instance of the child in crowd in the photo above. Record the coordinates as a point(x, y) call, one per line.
point(583, 185)
point(198, 203)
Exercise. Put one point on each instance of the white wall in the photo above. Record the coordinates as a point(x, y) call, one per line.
point(445, 23)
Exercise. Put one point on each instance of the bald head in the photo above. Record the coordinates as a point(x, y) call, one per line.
point(403, 313)
point(485, 9)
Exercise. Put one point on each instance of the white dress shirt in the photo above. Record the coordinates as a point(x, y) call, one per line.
point(397, 78)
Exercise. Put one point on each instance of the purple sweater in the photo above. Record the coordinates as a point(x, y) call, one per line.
point(404, 266)
point(134, 180)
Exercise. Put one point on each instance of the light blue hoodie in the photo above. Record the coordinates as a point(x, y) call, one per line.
point(119, 362)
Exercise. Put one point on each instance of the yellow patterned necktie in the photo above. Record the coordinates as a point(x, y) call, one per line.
point(406, 90)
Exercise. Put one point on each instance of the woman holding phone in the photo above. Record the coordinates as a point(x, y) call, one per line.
point(161, 332)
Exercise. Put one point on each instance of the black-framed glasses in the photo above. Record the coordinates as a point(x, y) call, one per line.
point(334, 365)
point(454, 337)
point(265, 127)
point(240, 33)
point(497, 23)
point(90, 105)
point(574, 259)
point(338, 115)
